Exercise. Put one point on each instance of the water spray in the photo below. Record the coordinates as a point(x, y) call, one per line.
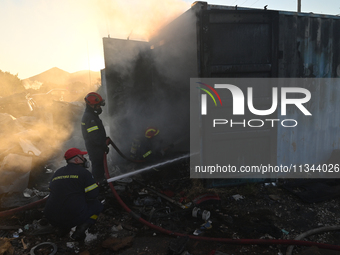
point(147, 168)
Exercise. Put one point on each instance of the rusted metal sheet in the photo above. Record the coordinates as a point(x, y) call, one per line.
point(310, 48)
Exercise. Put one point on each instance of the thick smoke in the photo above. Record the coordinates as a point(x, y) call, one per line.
point(138, 20)
point(138, 98)
point(148, 81)
point(36, 129)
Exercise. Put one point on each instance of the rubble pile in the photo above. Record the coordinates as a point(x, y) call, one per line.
point(168, 198)
point(32, 135)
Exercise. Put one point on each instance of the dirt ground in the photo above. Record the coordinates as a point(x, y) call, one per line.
point(258, 210)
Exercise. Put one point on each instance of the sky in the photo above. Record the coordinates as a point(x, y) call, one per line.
point(36, 35)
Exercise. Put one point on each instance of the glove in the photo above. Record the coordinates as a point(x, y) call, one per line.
point(107, 149)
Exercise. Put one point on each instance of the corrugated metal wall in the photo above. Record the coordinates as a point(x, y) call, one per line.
point(309, 46)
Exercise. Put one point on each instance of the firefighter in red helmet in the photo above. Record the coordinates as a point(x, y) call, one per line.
point(94, 134)
point(73, 199)
point(95, 101)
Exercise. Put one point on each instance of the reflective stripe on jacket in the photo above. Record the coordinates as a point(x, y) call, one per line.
point(93, 132)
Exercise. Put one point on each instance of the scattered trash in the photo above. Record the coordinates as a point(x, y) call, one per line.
point(49, 171)
point(267, 236)
point(177, 246)
point(126, 226)
point(32, 192)
point(197, 232)
point(27, 192)
point(43, 248)
point(206, 225)
point(6, 246)
point(119, 188)
point(89, 237)
point(147, 201)
point(188, 205)
point(162, 196)
point(285, 232)
point(143, 192)
point(42, 230)
point(24, 245)
point(238, 197)
point(116, 228)
point(198, 213)
point(119, 227)
point(73, 246)
point(223, 228)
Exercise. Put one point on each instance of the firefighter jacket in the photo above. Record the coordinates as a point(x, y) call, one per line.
point(73, 197)
point(93, 132)
point(151, 148)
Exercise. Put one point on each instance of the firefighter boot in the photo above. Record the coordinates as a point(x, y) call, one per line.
point(79, 234)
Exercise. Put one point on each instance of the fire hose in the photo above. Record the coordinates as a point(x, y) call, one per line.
point(22, 208)
point(171, 233)
point(225, 240)
point(109, 141)
point(41, 201)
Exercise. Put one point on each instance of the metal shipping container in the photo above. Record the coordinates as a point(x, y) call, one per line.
point(221, 41)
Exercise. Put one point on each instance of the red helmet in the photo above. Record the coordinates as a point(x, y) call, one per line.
point(151, 132)
point(71, 153)
point(94, 98)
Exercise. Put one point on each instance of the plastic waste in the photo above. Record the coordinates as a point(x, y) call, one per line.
point(206, 225)
point(198, 213)
point(238, 197)
point(147, 201)
point(197, 232)
point(27, 192)
point(53, 247)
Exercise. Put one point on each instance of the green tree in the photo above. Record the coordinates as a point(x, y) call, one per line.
point(10, 84)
